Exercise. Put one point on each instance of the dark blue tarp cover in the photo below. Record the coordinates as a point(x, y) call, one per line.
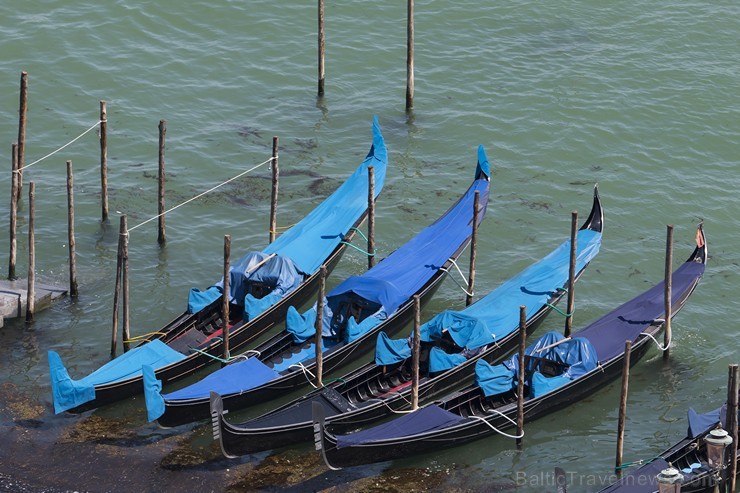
point(308, 243)
point(396, 278)
point(608, 334)
point(699, 423)
point(68, 393)
point(422, 420)
point(497, 315)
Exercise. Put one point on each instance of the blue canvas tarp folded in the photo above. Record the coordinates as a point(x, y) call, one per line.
point(389, 351)
point(427, 418)
point(493, 379)
point(69, 393)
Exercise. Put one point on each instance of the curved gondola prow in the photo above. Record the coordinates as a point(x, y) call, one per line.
point(319, 432)
point(595, 220)
point(217, 413)
point(701, 252)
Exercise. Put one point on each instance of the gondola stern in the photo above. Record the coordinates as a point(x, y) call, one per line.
point(595, 219)
point(319, 430)
point(701, 252)
point(217, 417)
point(483, 169)
point(155, 405)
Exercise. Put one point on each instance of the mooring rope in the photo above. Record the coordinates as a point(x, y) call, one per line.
point(305, 371)
point(64, 146)
point(453, 277)
point(357, 248)
point(144, 336)
point(663, 349)
point(638, 462)
point(496, 429)
point(201, 194)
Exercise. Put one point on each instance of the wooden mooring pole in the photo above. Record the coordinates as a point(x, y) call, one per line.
point(623, 406)
point(104, 160)
point(409, 55)
point(321, 48)
point(122, 229)
point(370, 216)
point(667, 335)
point(31, 293)
point(125, 293)
point(473, 250)
point(415, 354)
point(572, 273)
point(227, 294)
point(732, 426)
point(13, 214)
point(319, 325)
point(520, 379)
point(22, 114)
point(161, 237)
point(274, 194)
point(71, 232)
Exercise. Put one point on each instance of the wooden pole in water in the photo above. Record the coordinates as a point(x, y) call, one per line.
point(31, 293)
point(370, 216)
point(161, 238)
point(227, 294)
point(104, 160)
point(520, 379)
point(732, 425)
point(318, 326)
point(572, 272)
point(409, 55)
point(124, 289)
point(667, 335)
point(473, 249)
point(71, 232)
point(13, 214)
point(415, 354)
point(321, 48)
point(117, 288)
point(623, 406)
point(274, 196)
point(22, 114)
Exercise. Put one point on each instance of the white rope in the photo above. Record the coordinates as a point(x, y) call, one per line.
point(453, 277)
point(54, 152)
point(385, 403)
point(306, 372)
point(248, 353)
point(201, 194)
point(496, 429)
point(663, 349)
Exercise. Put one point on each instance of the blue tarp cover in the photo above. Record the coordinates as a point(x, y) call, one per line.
point(423, 420)
point(498, 312)
point(493, 379)
point(699, 423)
point(70, 393)
point(608, 334)
point(389, 351)
point(439, 360)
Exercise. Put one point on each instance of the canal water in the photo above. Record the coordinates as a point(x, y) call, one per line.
point(641, 98)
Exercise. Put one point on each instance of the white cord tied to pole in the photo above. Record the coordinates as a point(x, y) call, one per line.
point(663, 349)
point(453, 278)
point(306, 373)
point(201, 194)
point(64, 146)
point(496, 429)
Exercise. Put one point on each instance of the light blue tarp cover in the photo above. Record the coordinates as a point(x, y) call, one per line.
point(308, 243)
point(396, 278)
point(577, 353)
point(497, 315)
point(389, 351)
point(68, 393)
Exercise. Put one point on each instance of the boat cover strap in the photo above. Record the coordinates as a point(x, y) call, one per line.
point(428, 418)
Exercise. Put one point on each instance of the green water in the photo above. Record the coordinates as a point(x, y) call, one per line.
point(641, 98)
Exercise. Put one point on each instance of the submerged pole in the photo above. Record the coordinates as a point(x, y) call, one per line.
point(31, 293)
point(117, 288)
point(732, 425)
point(473, 249)
point(318, 326)
point(415, 354)
point(227, 293)
point(623, 406)
point(104, 161)
point(22, 114)
point(13, 214)
point(71, 232)
point(667, 335)
point(370, 216)
point(572, 272)
point(321, 48)
point(520, 379)
point(161, 238)
point(409, 55)
point(274, 195)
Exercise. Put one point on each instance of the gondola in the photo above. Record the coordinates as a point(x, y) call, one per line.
point(263, 285)
point(451, 343)
point(688, 457)
point(354, 313)
point(558, 372)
